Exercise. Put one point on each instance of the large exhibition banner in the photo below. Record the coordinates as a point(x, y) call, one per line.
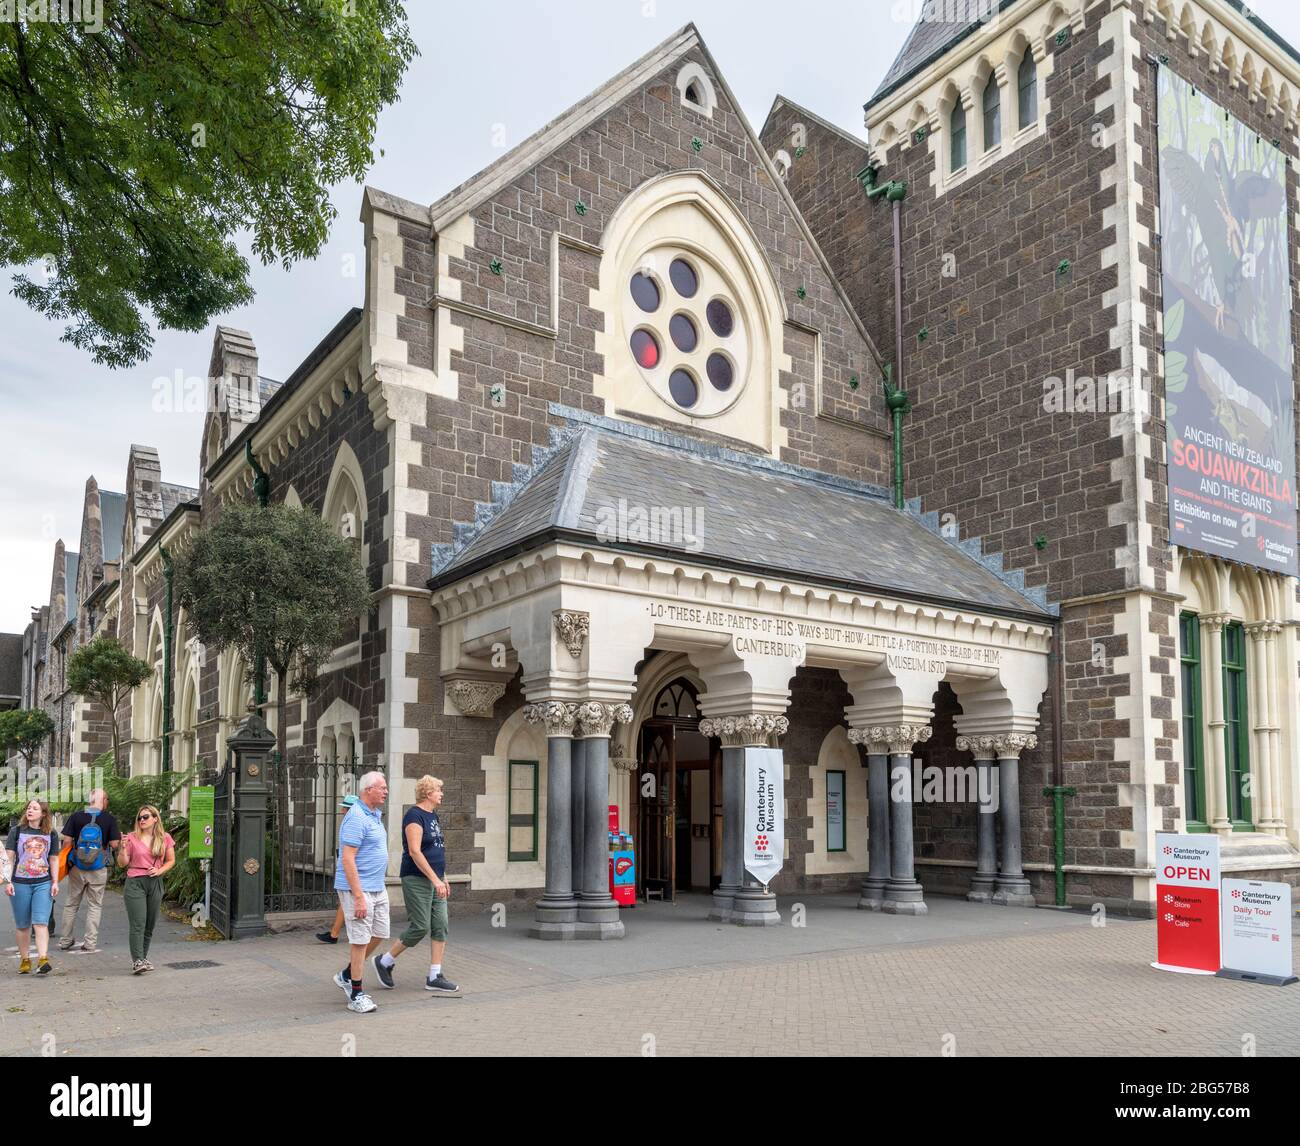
point(1227, 306)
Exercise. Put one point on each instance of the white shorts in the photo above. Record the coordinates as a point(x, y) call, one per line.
point(375, 924)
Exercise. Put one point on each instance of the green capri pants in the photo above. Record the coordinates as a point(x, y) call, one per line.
point(426, 912)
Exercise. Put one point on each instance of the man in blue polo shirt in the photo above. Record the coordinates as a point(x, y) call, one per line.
point(359, 881)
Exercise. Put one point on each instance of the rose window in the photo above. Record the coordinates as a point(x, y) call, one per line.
point(687, 335)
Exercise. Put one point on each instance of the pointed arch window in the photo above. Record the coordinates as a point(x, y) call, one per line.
point(1027, 83)
point(992, 104)
point(957, 137)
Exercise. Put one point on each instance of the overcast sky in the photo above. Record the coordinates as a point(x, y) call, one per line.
point(488, 70)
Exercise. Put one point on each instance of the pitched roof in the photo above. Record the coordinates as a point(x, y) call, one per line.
point(112, 513)
point(70, 563)
point(11, 664)
point(749, 515)
point(174, 495)
point(932, 35)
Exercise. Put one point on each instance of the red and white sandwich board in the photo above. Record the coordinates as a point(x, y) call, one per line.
point(1187, 903)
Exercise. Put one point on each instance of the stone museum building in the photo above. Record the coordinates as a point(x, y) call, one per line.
point(663, 437)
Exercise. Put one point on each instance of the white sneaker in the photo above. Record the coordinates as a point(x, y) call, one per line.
point(341, 981)
point(363, 1004)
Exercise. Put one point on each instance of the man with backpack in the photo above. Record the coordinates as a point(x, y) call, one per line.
point(94, 836)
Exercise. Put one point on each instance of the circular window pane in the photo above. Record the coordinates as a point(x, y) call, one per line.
point(645, 293)
point(645, 349)
point(721, 373)
point(684, 279)
point(683, 333)
point(683, 389)
point(721, 320)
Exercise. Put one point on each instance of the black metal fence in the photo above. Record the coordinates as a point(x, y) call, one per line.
point(220, 897)
point(303, 816)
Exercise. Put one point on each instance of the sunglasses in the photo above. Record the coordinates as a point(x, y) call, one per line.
point(144, 819)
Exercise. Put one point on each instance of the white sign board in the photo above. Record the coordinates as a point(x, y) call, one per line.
point(764, 840)
point(1257, 927)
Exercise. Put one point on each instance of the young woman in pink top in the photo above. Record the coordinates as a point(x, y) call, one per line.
point(147, 853)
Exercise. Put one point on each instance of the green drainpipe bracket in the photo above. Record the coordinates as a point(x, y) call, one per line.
point(923, 334)
point(167, 662)
point(1058, 833)
point(895, 191)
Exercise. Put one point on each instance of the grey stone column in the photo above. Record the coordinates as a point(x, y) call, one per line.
point(986, 850)
point(556, 913)
point(903, 894)
point(733, 811)
point(598, 916)
point(1012, 887)
point(873, 884)
point(750, 904)
point(578, 788)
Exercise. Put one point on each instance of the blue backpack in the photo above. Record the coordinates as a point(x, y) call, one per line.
point(90, 845)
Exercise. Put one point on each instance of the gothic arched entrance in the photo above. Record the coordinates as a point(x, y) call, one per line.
point(678, 797)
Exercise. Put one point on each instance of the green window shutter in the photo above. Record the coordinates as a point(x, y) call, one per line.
point(1189, 632)
point(1236, 732)
point(522, 818)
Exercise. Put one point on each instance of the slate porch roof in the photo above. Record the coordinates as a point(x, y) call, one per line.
point(748, 514)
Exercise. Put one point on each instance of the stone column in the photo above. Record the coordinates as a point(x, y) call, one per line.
point(598, 916)
point(578, 801)
point(1216, 780)
point(986, 852)
point(873, 883)
point(556, 914)
point(739, 898)
point(1273, 646)
point(903, 894)
point(1012, 888)
point(1261, 755)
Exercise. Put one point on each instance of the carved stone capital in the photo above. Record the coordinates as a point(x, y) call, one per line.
point(756, 730)
point(1262, 630)
point(890, 739)
point(475, 697)
point(981, 747)
point(573, 629)
point(596, 719)
point(619, 760)
point(1214, 622)
point(558, 717)
point(1010, 746)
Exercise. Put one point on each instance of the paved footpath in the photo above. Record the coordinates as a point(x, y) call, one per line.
point(966, 979)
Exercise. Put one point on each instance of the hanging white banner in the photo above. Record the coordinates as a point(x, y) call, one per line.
point(764, 839)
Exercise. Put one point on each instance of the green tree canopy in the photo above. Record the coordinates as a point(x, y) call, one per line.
point(130, 154)
point(25, 730)
point(274, 583)
point(104, 671)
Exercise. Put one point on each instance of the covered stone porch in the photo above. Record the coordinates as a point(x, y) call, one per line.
point(587, 618)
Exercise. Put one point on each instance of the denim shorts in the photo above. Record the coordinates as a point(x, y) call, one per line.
point(32, 904)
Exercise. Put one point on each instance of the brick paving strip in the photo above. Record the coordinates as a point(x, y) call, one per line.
point(966, 979)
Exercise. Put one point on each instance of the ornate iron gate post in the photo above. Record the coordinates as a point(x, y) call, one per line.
point(248, 765)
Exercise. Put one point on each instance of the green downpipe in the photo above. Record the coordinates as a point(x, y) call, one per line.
point(262, 490)
point(1058, 795)
point(167, 663)
point(897, 404)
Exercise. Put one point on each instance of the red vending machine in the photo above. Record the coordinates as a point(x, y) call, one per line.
point(622, 863)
